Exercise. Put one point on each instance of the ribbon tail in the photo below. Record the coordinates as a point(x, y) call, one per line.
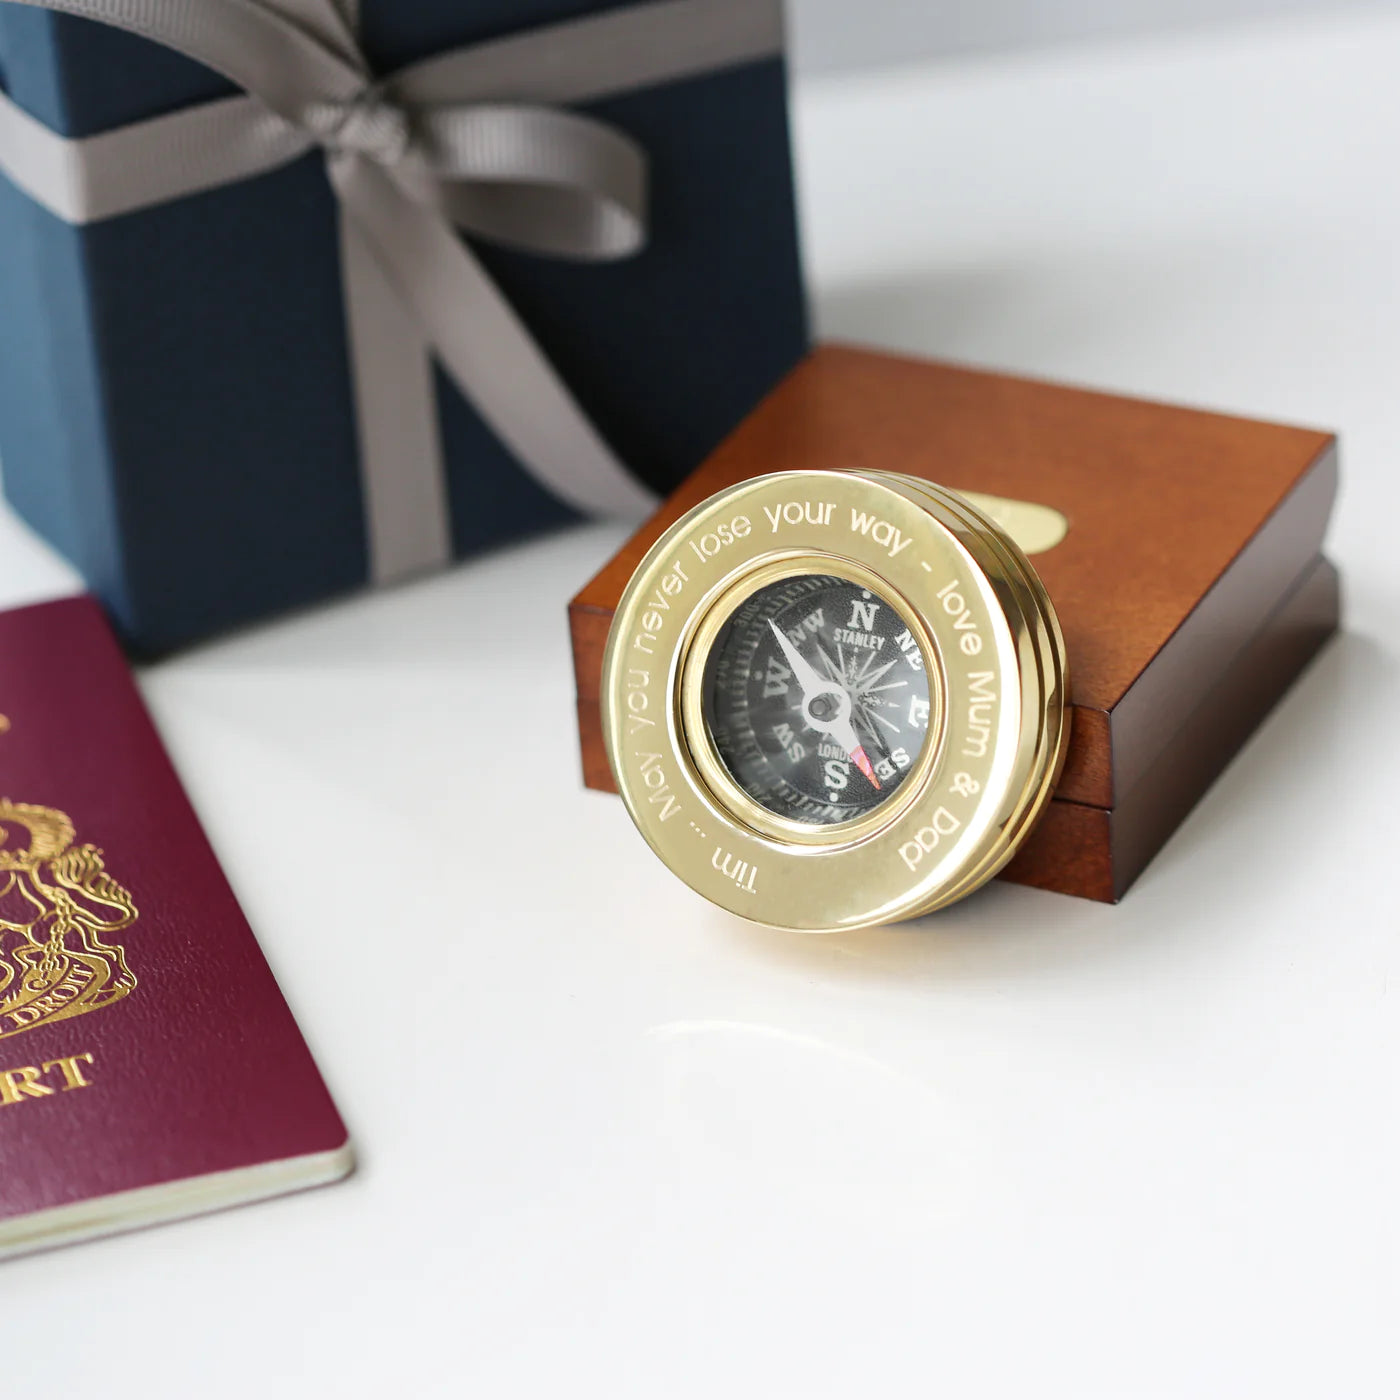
point(38, 161)
point(484, 346)
point(407, 518)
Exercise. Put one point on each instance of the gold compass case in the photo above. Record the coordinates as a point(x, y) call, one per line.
point(835, 699)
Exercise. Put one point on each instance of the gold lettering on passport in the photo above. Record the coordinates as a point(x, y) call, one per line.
point(58, 910)
point(40, 1081)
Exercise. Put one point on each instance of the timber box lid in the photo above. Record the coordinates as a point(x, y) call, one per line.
point(1186, 528)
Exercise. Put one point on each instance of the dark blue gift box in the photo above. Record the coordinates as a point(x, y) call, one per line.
point(176, 411)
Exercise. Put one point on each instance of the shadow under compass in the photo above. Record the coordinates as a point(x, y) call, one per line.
point(1001, 933)
point(1203, 890)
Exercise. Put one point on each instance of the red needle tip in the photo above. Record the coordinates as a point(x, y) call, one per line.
point(863, 763)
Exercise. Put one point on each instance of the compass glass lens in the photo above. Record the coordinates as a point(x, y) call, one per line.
point(817, 698)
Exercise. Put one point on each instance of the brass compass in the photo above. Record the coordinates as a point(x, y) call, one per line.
point(835, 699)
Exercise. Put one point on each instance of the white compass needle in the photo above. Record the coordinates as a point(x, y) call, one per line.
point(813, 685)
point(809, 681)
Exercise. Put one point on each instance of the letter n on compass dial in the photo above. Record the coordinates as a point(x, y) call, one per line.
point(817, 698)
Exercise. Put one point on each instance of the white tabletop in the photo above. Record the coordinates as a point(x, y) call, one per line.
point(615, 1143)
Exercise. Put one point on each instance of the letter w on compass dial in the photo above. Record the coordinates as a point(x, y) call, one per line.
point(817, 698)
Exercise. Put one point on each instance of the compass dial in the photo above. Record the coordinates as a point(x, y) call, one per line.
point(817, 698)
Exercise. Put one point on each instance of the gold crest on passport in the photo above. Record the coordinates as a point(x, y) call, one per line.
point(59, 909)
point(142, 1113)
point(834, 699)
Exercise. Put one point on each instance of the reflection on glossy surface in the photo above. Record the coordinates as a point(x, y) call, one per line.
point(1034, 527)
point(825, 1128)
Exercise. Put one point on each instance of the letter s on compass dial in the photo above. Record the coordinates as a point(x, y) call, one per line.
point(816, 696)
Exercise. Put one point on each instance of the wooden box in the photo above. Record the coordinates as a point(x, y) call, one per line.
point(1190, 585)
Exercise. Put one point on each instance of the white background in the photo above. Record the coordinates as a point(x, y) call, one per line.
point(832, 35)
point(616, 1144)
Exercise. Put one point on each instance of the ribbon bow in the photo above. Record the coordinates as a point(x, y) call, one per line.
point(478, 140)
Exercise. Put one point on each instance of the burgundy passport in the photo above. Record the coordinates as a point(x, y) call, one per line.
point(149, 1066)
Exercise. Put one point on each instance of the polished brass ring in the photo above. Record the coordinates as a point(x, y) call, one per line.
point(835, 699)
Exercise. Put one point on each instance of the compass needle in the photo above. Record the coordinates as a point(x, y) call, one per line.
point(807, 678)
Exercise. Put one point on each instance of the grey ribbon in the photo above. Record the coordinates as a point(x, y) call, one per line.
point(477, 140)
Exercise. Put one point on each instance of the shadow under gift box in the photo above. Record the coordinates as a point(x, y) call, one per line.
point(175, 401)
point(1190, 584)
